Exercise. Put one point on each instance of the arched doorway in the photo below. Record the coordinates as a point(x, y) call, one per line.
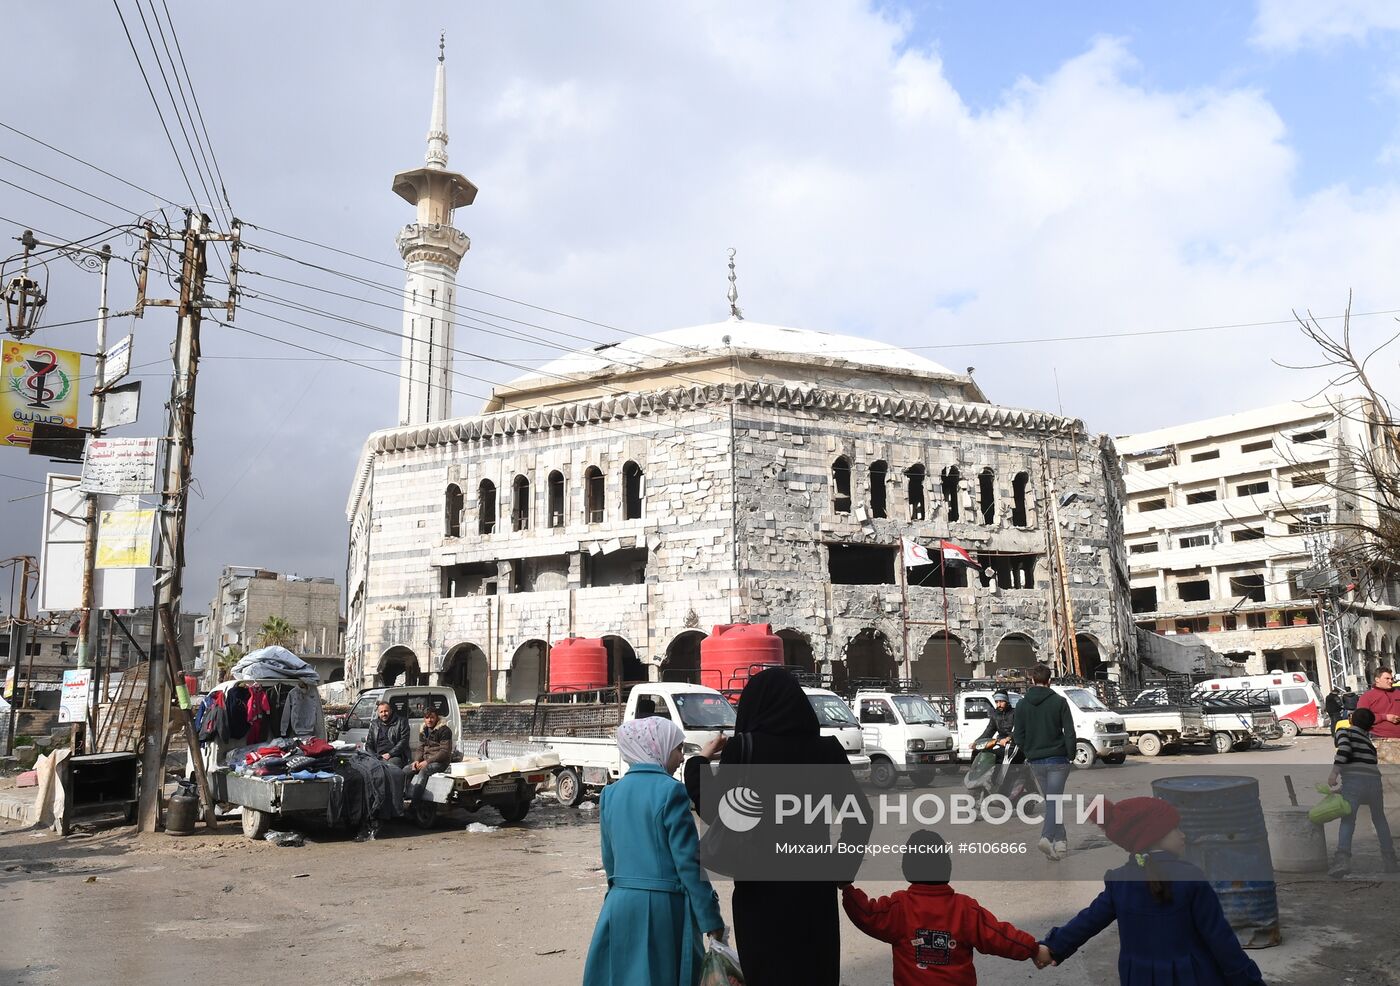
point(682, 662)
point(525, 677)
point(398, 666)
point(797, 650)
point(1091, 662)
point(623, 662)
point(1016, 650)
point(930, 668)
point(337, 675)
point(464, 671)
point(869, 655)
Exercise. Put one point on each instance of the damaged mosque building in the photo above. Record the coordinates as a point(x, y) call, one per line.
point(645, 491)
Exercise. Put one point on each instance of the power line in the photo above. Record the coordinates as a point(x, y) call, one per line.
point(206, 143)
point(89, 164)
point(155, 102)
point(75, 188)
point(61, 205)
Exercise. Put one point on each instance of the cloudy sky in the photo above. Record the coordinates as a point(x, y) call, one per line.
point(973, 180)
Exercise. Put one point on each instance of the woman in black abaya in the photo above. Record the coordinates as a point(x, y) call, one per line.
point(786, 933)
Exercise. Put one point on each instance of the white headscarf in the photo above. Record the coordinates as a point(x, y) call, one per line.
point(648, 740)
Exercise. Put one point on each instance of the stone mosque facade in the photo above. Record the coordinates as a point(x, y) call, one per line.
point(645, 491)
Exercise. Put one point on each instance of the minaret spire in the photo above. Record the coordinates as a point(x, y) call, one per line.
point(437, 128)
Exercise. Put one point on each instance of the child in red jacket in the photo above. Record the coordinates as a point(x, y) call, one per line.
point(933, 930)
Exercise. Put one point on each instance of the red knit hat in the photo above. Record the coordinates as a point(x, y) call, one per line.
point(1138, 824)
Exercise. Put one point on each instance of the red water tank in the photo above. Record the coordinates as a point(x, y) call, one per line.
point(578, 664)
point(732, 652)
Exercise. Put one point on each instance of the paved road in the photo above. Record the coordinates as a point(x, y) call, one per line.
point(507, 908)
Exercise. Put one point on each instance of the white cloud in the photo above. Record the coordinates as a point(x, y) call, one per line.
point(1292, 24)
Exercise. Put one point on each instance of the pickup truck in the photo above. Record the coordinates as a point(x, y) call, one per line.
point(1233, 720)
point(1099, 731)
point(1157, 729)
point(585, 742)
point(904, 737)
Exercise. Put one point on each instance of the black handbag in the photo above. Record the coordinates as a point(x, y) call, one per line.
point(720, 846)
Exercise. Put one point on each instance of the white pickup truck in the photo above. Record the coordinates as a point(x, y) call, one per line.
point(588, 763)
point(1099, 731)
point(904, 737)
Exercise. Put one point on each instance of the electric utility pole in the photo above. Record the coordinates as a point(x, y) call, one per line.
point(165, 671)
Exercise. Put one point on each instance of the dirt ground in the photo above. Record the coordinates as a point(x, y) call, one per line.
point(508, 907)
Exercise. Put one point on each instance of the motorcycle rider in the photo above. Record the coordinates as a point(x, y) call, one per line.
point(999, 725)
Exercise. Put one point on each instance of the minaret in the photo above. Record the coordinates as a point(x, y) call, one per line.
point(431, 249)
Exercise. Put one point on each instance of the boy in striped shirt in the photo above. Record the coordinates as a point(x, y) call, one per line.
point(1356, 774)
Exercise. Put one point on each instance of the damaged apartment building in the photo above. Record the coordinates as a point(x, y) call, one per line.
point(645, 491)
point(733, 472)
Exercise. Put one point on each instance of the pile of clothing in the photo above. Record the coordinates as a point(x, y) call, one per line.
point(274, 662)
point(299, 759)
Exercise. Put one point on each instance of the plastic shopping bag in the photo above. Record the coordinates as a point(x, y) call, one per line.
point(1330, 808)
point(720, 966)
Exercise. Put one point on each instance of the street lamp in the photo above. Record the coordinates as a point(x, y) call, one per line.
point(24, 296)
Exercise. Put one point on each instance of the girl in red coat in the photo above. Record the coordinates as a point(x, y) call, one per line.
point(932, 930)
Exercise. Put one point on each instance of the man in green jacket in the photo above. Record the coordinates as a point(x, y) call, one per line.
point(1044, 732)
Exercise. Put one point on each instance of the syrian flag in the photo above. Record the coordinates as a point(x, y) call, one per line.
point(955, 556)
point(916, 554)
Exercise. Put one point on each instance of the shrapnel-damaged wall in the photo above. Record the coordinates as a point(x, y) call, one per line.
point(738, 522)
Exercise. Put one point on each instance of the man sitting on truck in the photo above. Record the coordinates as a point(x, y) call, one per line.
point(434, 753)
point(388, 736)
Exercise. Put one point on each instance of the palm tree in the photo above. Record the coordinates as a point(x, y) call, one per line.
point(227, 658)
point(276, 632)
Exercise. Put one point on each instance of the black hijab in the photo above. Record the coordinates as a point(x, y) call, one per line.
point(774, 703)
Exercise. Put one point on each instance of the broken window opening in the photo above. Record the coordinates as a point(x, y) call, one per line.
point(1195, 541)
point(1309, 436)
point(454, 507)
point(1247, 534)
point(556, 499)
point(952, 484)
point(632, 491)
point(933, 575)
point(1249, 586)
point(1203, 496)
point(879, 471)
point(916, 475)
point(593, 508)
point(1147, 506)
point(1144, 547)
point(547, 574)
point(625, 567)
point(1263, 446)
point(860, 564)
point(986, 501)
point(1009, 570)
point(1144, 600)
point(1205, 456)
point(841, 485)
point(1018, 500)
point(1195, 591)
point(477, 579)
point(520, 504)
point(486, 507)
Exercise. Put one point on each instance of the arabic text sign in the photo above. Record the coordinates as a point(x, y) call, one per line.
point(120, 465)
point(73, 701)
point(37, 384)
point(116, 362)
point(124, 538)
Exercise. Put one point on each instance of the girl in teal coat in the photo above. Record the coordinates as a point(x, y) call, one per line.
point(659, 900)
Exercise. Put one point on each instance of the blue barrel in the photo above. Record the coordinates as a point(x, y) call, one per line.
point(1223, 822)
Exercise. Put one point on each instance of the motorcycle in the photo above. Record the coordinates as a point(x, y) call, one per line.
point(1006, 775)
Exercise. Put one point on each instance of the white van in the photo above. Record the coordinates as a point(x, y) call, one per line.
point(837, 719)
point(904, 736)
point(1294, 697)
point(1099, 731)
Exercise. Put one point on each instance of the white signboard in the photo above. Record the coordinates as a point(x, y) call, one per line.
point(73, 700)
point(61, 552)
point(116, 363)
point(120, 405)
point(120, 465)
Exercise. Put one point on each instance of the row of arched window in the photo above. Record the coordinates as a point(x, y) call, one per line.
point(521, 503)
point(949, 488)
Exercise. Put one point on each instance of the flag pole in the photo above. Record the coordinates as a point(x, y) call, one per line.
point(947, 641)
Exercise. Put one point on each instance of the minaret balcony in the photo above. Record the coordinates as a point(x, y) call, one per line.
point(434, 243)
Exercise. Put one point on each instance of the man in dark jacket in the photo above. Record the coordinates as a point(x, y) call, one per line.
point(1000, 724)
point(1044, 731)
point(434, 753)
point(388, 736)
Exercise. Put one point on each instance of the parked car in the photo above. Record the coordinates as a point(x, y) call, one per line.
point(904, 737)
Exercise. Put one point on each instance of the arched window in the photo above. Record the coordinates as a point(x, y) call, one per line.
point(556, 499)
point(486, 507)
point(986, 496)
point(593, 507)
point(952, 485)
point(1019, 516)
point(841, 485)
point(454, 507)
point(878, 473)
point(520, 504)
point(916, 474)
point(632, 491)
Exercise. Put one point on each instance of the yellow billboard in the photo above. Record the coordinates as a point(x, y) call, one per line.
point(124, 538)
point(38, 384)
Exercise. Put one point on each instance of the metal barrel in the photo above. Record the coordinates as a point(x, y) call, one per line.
point(1223, 821)
point(180, 814)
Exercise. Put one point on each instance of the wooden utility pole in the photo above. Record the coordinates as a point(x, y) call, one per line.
point(164, 671)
